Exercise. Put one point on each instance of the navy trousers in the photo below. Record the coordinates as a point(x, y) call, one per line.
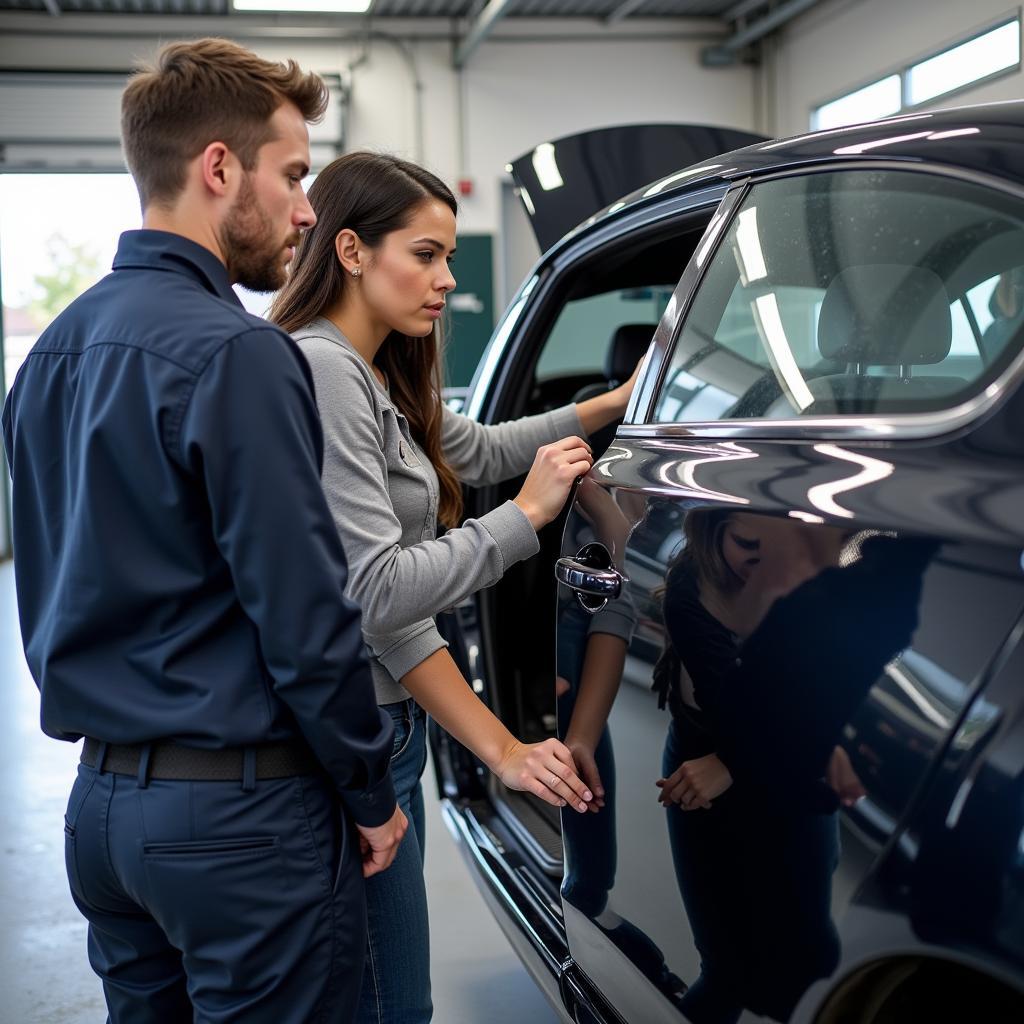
point(207, 902)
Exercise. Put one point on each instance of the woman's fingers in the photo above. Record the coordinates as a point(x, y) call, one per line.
point(548, 770)
point(537, 788)
point(570, 442)
point(567, 784)
point(681, 789)
point(563, 770)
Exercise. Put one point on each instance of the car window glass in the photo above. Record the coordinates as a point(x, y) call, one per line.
point(844, 293)
point(580, 338)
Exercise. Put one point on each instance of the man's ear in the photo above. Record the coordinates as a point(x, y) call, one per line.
point(350, 251)
point(217, 165)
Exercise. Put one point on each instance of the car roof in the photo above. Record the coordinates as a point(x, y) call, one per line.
point(986, 139)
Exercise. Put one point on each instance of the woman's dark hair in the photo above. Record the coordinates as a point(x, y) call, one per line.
point(373, 194)
point(703, 554)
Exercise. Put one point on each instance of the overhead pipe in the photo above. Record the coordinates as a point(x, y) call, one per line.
point(725, 52)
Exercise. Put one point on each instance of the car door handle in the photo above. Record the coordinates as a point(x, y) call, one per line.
point(586, 579)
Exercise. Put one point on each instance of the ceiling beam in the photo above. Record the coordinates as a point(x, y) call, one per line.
point(626, 8)
point(760, 27)
point(726, 51)
point(480, 30)
point(741, 10)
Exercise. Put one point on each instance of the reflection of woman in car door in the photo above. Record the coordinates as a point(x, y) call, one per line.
point(778, 646)
point(731, 851)
point(367, 289)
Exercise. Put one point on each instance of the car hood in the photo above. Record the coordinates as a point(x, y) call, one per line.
point(567, 180)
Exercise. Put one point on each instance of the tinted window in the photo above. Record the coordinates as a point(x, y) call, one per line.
point(852, 292)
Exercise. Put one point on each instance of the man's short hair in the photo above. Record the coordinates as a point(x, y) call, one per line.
point(209, 90)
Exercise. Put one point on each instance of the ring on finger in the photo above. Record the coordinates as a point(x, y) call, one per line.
point(554, 781)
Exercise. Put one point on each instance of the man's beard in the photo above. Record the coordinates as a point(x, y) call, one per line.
point(254, 257)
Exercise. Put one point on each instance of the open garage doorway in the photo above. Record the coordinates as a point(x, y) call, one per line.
point(58, 237)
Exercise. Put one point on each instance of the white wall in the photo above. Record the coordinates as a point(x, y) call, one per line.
point(532, 81)
point(843, 44)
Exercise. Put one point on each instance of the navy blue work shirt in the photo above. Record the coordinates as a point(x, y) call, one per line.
point(179, 575)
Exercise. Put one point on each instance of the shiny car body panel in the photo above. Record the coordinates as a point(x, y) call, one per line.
point(893, 628)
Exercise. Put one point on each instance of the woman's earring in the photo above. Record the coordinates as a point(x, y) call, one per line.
point(357, 272)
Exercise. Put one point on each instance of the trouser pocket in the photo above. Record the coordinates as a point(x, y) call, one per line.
point(253, 845)
point(405, 727)
point(72, 816)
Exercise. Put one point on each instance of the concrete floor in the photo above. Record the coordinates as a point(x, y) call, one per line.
point(45, 976)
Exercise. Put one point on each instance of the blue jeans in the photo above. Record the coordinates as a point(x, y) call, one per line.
point(396, 977)
point(210, 903)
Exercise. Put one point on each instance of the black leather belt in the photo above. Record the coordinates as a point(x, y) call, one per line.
point(172, 761)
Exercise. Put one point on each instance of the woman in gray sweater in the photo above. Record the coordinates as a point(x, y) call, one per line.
point(367, 289)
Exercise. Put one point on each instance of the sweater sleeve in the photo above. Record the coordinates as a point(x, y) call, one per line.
point(482, 454)
point(397, 588)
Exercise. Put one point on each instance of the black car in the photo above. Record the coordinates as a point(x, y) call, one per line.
point(790, 593)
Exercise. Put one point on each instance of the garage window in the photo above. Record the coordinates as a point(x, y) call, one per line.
point(852, 293)
point(990, 53)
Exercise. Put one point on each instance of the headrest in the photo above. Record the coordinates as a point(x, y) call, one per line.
point(628, 347)
point(885, 314)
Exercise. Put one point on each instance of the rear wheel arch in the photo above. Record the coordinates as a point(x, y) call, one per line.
point(903, 988)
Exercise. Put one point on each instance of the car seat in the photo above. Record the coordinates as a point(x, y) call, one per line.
point(628, 344)
point(880, 315)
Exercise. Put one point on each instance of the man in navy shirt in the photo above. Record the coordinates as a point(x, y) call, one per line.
point(180, 581)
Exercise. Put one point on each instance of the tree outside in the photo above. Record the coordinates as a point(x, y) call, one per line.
point(73, 267)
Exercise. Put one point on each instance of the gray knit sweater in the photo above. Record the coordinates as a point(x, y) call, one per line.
point(383, 493)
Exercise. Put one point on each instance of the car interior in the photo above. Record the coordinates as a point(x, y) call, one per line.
point(608, 308)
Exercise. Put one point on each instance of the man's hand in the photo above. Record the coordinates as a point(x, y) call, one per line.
point(695, 783)
point(380, 844)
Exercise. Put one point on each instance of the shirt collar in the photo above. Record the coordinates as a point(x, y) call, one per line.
point(163, 250)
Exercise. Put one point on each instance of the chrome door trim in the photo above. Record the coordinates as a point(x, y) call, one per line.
point(881, 427)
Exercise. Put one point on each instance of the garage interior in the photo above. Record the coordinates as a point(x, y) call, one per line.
point(463, 87)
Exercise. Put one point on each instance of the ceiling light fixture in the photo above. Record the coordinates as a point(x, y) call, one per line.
point(304, 6)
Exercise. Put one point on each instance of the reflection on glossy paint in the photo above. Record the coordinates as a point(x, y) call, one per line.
point(782, 143)
point(672, 179)
point(807, 517)
point(683, 472)
point(707, 243)
point(822, 496)
point(953, 133)
point(546, 166)
point(863, 147)
point(613, 453)
point(492, 354)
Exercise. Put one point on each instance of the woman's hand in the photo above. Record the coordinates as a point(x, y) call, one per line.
point(547, 770)
point(583, 755)
point(554, 470)
point(843, 779)
point(624, 392)
point(609, 406)
point(695, 783)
